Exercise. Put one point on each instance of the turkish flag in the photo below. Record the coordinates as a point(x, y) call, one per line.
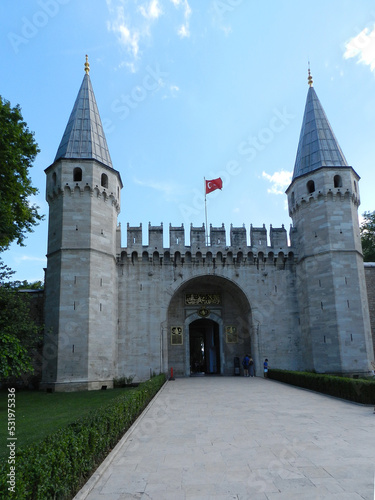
point(213, 184)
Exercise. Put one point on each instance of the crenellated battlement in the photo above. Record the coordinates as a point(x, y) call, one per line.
point(330, 195)
point(216, 250)
point(79, 190)
point(83, 177)
point(324, 185)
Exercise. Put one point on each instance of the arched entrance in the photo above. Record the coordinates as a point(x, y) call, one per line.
point(204, 346)
point(209, 325)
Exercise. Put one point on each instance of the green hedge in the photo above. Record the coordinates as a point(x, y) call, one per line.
point(59, 465)
point(358, 390)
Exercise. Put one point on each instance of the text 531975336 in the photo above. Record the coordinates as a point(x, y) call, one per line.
point(11, 445)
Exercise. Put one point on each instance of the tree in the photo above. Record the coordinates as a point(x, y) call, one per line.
point(19, 335)
point(25, 285)
point(367, 230)
point(17, 153)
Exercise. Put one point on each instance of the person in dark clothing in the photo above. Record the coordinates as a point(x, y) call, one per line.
point(245, 364)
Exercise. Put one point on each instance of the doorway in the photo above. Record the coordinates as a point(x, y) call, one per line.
point(204, 347)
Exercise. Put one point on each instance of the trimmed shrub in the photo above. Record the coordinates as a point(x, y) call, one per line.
point(358, 390)
point(59, 465)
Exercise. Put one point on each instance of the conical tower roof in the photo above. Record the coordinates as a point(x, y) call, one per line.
point(318, 146)
point(84, 136)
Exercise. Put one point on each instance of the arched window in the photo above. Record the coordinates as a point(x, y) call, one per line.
point(54, 178)
point(310, 187)
point(104, 181)
point(77, 174)
point(337, 181)
point(134, 257)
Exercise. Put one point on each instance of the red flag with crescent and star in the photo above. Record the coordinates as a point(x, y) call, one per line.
point(213, 184)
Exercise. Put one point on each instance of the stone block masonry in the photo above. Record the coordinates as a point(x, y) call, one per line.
point(370, 283)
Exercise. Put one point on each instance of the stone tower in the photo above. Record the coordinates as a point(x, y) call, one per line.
point(83, 192)
point(323, 201)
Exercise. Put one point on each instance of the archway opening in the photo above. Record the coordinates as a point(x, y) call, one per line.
point(208, 302)
point(204, 347)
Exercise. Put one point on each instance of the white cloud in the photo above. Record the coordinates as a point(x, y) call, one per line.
point(279, 180)
point(120, 25)
point(362, 46)
point(130, 40)
point(171, 91)
point(184, 29)
point(151, 10)
point(132, 24)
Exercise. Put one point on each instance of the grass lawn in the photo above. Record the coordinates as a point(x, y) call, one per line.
point(39, 414)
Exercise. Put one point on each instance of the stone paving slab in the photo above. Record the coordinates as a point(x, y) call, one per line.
point(241, 438)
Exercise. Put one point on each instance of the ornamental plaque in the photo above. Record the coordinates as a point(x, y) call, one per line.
point(202, 299)
point(203, 312)
point(176, 335)
point(231, 335)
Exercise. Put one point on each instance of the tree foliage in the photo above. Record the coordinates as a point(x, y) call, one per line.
point(368, 236)
point(17, 153)
point(19, 335)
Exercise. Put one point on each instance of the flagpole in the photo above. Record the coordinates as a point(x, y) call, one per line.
point(205, 208)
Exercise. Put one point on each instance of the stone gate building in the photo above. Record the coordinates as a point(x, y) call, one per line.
point(112, 311)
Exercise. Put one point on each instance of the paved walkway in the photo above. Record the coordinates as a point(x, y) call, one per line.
point(226, 438)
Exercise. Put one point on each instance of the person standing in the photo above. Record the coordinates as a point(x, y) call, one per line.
point(245, 364)
point(265, 367)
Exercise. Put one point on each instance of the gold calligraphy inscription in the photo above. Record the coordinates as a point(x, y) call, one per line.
point(177, 335)
point(231, 335)
point(202, 299)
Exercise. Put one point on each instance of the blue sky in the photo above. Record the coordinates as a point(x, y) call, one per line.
point(189, 89)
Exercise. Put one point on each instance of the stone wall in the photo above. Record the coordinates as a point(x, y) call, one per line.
point(370, 282)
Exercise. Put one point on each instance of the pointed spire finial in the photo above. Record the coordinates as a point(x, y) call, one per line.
point(87, 65)
point(309, 79)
